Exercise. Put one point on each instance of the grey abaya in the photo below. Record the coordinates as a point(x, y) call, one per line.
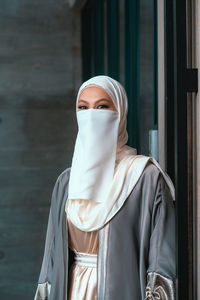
point(136, 248)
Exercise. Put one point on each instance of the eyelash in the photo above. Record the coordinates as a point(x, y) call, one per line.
point(103, 105)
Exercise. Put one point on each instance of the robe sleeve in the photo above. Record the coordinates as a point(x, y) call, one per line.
point(44, 282)
point(161, 272)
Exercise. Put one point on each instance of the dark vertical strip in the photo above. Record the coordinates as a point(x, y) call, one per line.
point(177, 85)
point(86, 38)
point(169, 87)
point(132, 75)
point(155, 69)
point(113, 38)
point(193, 205)
point(98, 23)
point(181, 157)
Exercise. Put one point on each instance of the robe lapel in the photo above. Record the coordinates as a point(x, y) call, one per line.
point(102, 260)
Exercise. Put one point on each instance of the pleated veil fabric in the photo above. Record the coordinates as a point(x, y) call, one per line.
point(104, 169)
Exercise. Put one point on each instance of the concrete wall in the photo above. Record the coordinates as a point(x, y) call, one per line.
point(39, 73)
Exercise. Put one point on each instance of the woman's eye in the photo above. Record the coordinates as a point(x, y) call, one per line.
point(82, 107)
point(102, 106)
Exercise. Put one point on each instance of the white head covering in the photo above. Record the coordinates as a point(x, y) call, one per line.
point(104, 169)
point(118, 95)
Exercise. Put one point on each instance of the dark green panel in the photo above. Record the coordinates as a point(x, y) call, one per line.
point(132, 58)
point(113, 38)
point(155, 73)
point(98, 23)
point(86, 39)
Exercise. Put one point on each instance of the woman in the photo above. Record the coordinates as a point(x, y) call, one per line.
point(111, 227)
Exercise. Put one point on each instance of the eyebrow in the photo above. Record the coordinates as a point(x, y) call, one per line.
point(99, 100)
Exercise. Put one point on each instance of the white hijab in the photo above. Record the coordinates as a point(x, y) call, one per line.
point(104, 169)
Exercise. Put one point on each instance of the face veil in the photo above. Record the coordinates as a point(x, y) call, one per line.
point(94, 155)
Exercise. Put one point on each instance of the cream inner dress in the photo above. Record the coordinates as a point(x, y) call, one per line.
point(83, 272)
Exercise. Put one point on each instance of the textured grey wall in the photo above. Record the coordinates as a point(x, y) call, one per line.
point(39, 73)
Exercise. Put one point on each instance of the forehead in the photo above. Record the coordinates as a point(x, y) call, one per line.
point(93, 91)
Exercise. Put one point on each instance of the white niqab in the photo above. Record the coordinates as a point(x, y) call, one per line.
point(91, 156)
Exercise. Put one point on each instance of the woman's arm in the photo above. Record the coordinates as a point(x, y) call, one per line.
point(161, 273)
point(44, 282)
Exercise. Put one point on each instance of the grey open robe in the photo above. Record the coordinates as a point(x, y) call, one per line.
point(136, 253)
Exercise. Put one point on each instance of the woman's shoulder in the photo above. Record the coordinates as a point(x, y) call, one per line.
point(151, 170)
point(60, 186)
point(63, 177)
point(158, 177)
point(153, 174)
point(59, 191)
